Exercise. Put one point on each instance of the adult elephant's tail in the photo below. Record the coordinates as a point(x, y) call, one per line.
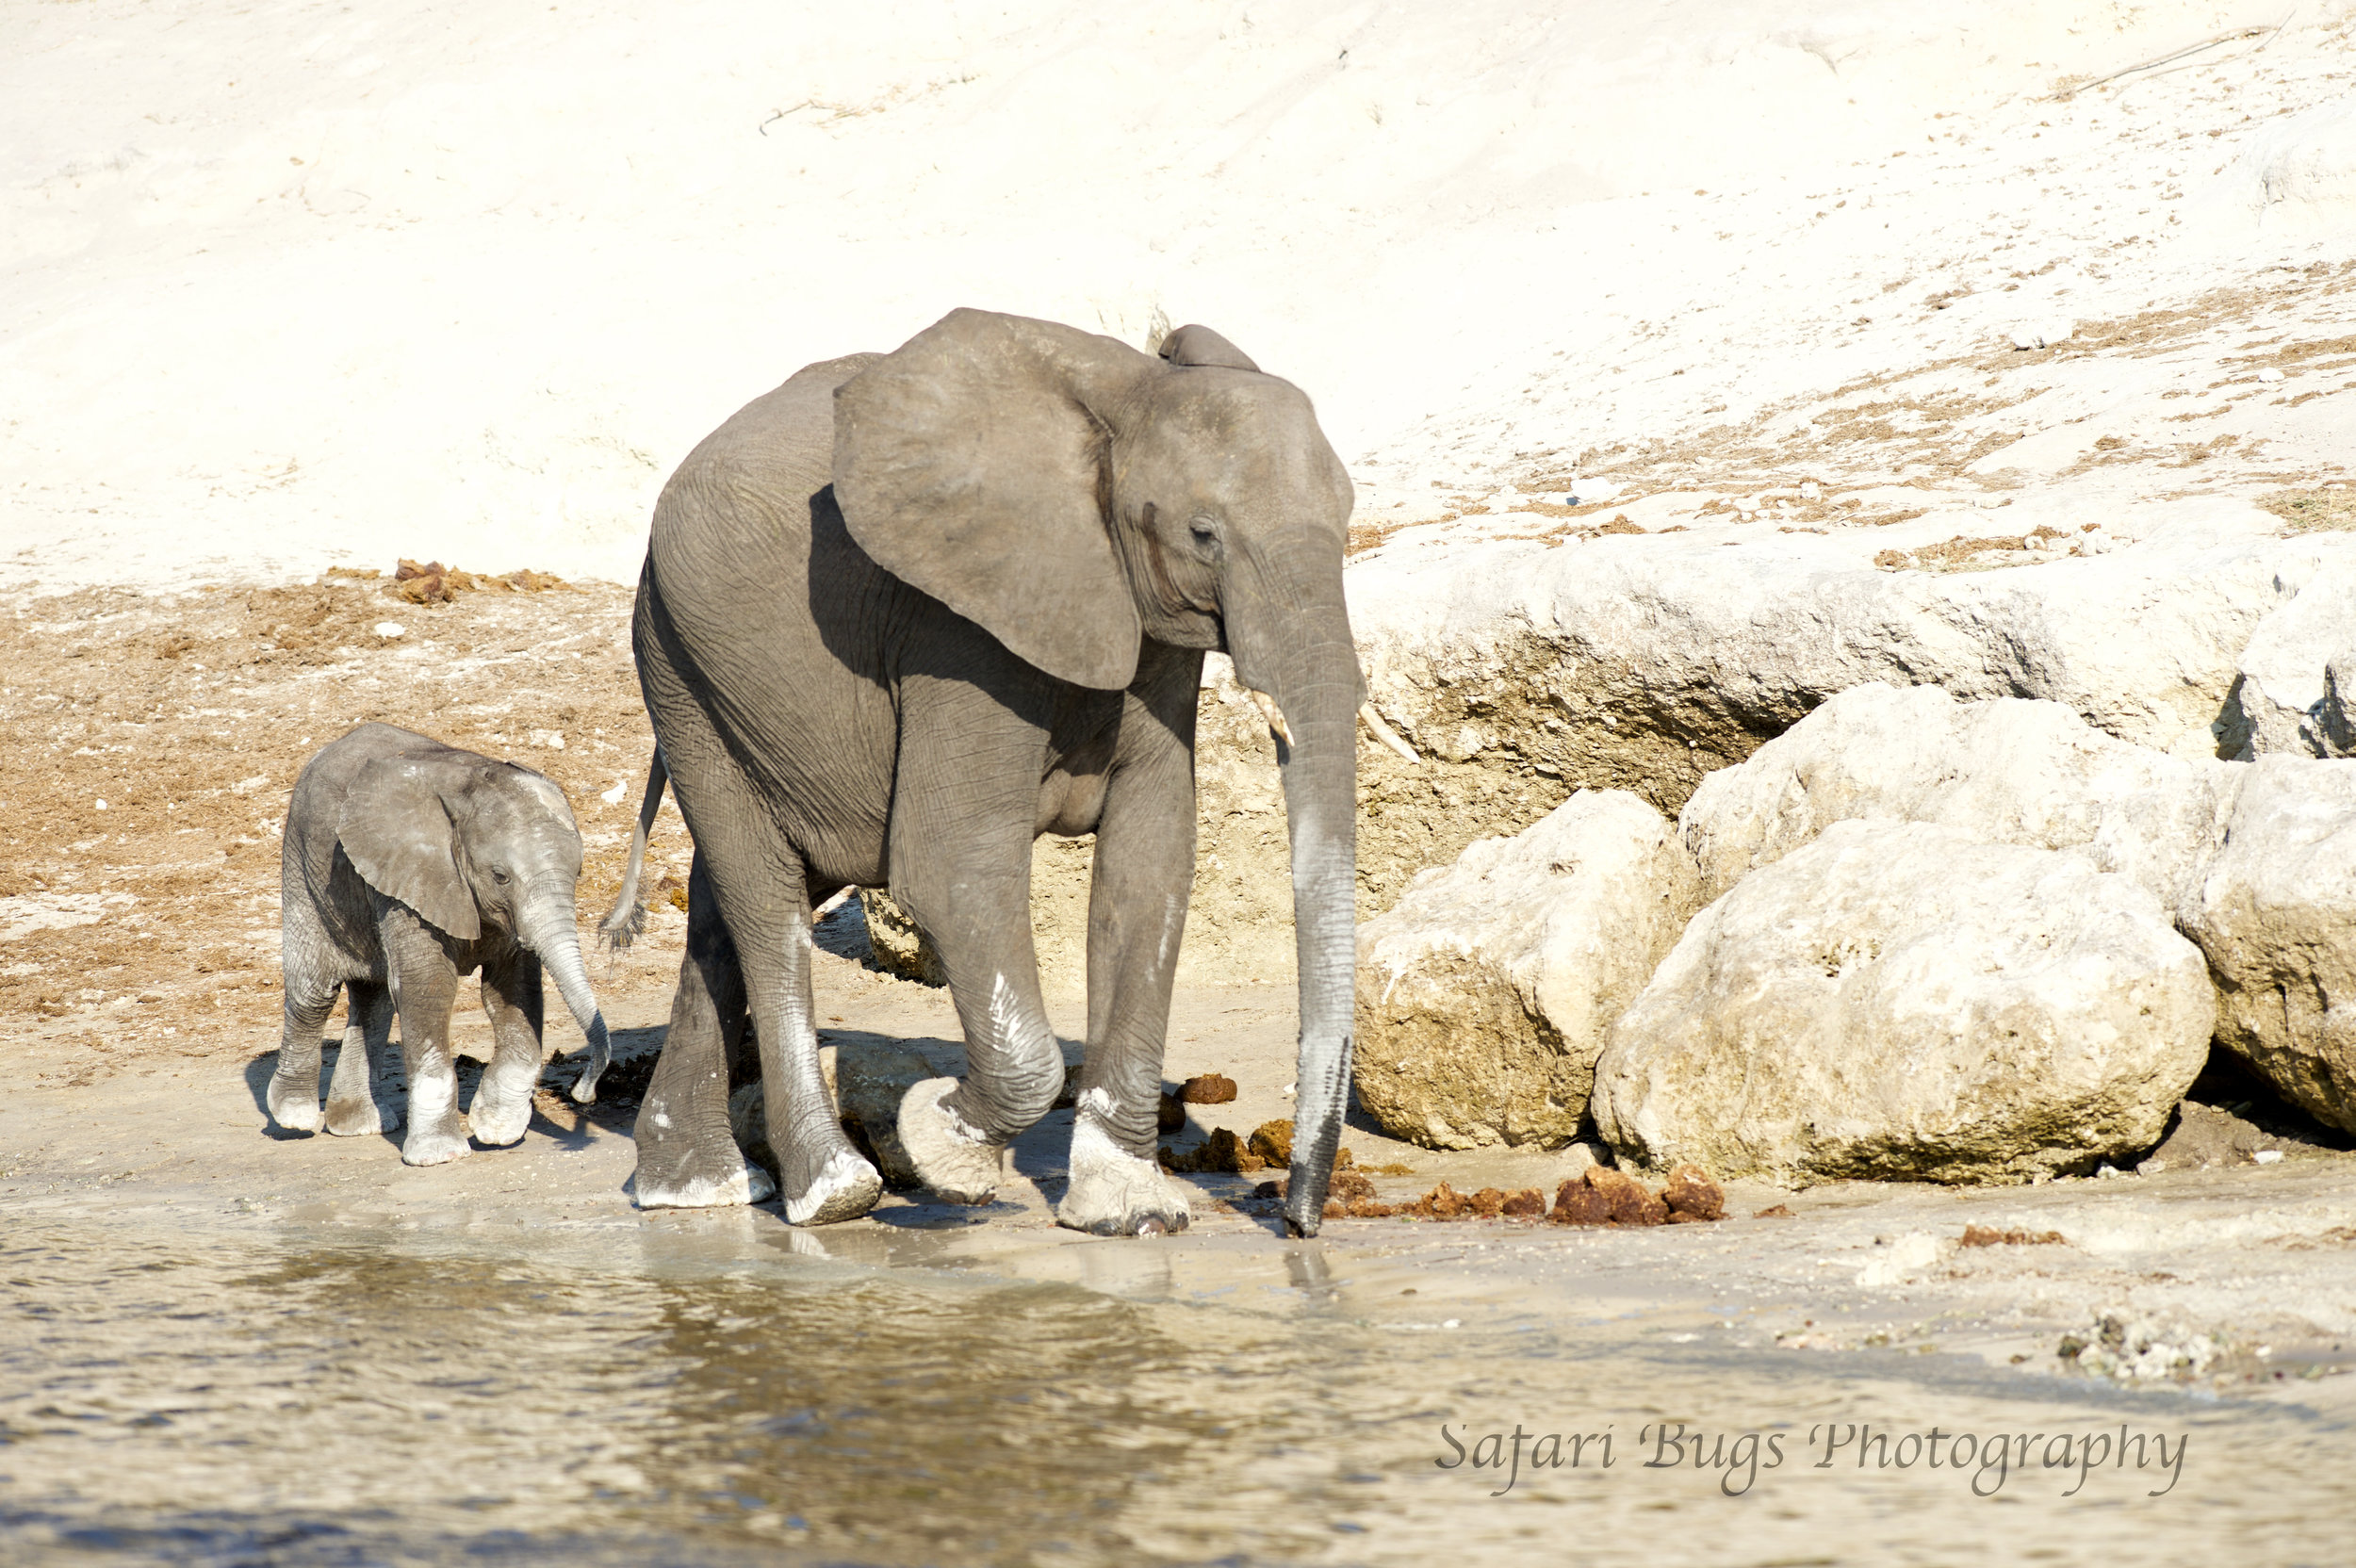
point(627, 917)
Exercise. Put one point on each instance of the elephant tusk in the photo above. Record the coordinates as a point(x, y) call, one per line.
point(1386, 734)
point(1275, 715)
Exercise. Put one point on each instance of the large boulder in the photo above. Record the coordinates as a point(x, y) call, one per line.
point(2276, 914)
point(1484, 994)
point(2290, 695)
point(2010, 771)
point(1899, 1000)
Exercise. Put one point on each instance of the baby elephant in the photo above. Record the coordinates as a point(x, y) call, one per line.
point(407, 864)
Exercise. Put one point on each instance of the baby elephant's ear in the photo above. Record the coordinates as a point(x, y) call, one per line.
point(401, 839)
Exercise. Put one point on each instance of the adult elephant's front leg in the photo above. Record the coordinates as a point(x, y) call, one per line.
point(1144, 871)
point(687, 1156)
point(962, 825)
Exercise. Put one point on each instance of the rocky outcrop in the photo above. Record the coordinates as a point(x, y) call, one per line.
point(1645, 661)
point(2005, 772)
point(1899, 1000)
point(1484, 994)
point(2289, 696)
point(2276, 915)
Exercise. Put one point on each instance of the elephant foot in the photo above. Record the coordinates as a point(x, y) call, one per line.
point(295, 1105)
point(847, 1187)
point(498, 1121)
point(1113, 1192)
point(955, 1161)
point(718, 1188)
point(436, 1146)
point(352, 1119)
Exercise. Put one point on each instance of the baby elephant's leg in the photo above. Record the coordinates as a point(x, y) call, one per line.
point(511, 996)
point(422, 993)
point(359, 1097)
point(293, 1096)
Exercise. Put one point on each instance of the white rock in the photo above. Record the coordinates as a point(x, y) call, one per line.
point(2008, 771)
point(1594, 492)
point(1696, 652)
point(2276, 914)
point(1484, 994)
point(1810, 490)
point(613, 796)
point(2287, 697)
point(2270, 374)
point(548, 739)
point(2338, 719)
point(390, 630)
point(1897, 1000)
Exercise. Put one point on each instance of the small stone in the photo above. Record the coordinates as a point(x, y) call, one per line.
point(2270, 374)
point(390, 630)
point(1577, 1203)
point(1810, 490)
point(2266, 1156)
point(1273, 1142)
point(1207, 1088)
point(1692, 1196)
point(1442, 1203)
point(1987, 1235)
point(1529, 1203)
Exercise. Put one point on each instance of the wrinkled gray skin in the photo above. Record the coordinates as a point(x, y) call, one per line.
point(908, 612)
point(407, 864)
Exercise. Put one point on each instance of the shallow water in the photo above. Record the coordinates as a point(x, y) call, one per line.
point(301, 1392)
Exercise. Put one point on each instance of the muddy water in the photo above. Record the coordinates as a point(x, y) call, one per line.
point(325, 1390)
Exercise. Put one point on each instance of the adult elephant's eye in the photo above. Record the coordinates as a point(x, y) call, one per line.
point(498, 877)
point(1204, 529)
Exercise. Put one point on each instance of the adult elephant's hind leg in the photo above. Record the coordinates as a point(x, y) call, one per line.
point(824, 1179)
point(687, 1156)
point(360, 1096)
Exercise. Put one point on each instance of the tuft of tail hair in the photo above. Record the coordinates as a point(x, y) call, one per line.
point(627, 917)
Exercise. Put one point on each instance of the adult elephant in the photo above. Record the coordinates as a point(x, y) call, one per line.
point(908, 612)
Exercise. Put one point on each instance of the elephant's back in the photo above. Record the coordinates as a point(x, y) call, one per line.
point(773, 623)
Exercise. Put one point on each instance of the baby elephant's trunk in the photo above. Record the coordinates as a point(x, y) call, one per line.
point(551, 934)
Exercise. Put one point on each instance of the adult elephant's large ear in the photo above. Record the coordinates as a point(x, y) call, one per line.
point(975, 463)
point(401, 839)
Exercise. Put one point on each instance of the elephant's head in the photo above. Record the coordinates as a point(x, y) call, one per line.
point(1071, 495)
point(474, 846)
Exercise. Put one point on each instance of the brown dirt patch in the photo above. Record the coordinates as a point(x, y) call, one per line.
point(2310, 511)
point(149, 928)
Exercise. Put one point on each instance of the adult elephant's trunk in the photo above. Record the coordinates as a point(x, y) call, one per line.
point(1311, 673)
point(548, 930)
